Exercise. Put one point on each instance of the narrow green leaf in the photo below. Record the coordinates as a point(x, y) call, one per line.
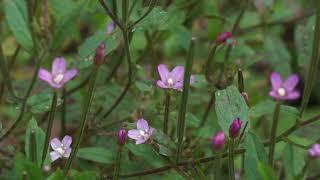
point(293, 161)
point(15, 13)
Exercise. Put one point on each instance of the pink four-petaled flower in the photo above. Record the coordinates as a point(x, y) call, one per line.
point(314, 151)
point(284, 90)
point(173, 79)
point(60, 148)
point(59, 74)
point(142, 133)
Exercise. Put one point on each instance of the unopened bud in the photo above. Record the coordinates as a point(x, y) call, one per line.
point(235, 128)
point(122, 136)
point(222, 38)
point(218, 141)
point(98, 60)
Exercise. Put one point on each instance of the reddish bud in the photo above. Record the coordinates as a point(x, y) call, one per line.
point(222, 38)
point(122, 136)
point(235, 128)
point(98, 60)
point(218, 141)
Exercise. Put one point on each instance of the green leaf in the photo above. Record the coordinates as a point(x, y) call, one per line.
point(166, 145)
point(86, 175)
point(40, 138)
point(16, 17)
point(192, 120)
point(40, 102)
point(267, 107)
point(266, 172)
point(143, 87)
point(255, 153)
point(293, 161)
point(154, 20)
point(57, 175)
point(91, 44)
point(96, 154)
point(229, 106)
point(23, 165)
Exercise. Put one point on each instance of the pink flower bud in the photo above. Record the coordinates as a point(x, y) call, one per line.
point(235, 128)
point(98, 60)
point(222, 38)
point(218, 141)
point(122, 136)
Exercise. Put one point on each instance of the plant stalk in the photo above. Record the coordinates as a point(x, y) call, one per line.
point(231, 159)
point(166, 113)
point(273, 134)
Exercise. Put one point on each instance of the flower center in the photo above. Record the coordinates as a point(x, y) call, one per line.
point(281, 91)
point(60, 150)
point(170, 81)
point(143, 134)
point(58, 78)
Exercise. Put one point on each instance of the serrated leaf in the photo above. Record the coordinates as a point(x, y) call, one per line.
point(16, 17)
point(96, 154)
point(230, 105)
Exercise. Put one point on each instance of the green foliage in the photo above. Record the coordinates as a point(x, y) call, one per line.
point(96, 154)
point(24, 166)
point(293, 161)
point(229, 106)
point(40, 137)
point(266, 172)
point(17, 19)
point(40, 102)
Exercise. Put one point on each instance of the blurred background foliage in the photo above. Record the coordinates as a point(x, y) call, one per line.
point(273, 35)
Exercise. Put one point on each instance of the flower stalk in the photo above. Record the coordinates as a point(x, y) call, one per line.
point(231, 159)
point(33, 146)
point(49, 127)
point(83, 120)
point(116, 171)
point(184, 101)
point(166, 113)
point(274, 133)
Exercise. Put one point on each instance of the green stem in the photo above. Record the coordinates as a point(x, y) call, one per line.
point(49, 127)
point(110, 13)
point(230, 159)
point(240, 81)
point(206, 113)
point(83, 120)
point(151, 6)
point(166, 113)
point(273, 134)
point(33, 146)
point(24, 103)
point(116, 171)
point(184, 101)
point(63, 112)
point(313, 67)
point(217, 167)
point(209, 62)
point(5, 74)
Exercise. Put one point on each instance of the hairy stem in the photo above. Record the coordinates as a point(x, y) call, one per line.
point(274, 133)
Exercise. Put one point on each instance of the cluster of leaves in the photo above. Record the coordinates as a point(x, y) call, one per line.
point(270, 37)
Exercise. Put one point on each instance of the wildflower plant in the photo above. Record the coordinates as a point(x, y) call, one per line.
point(159, 89)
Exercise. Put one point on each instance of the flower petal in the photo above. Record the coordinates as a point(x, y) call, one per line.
point(68, 75)
point(151, 131)
point(55, 143)
point(67, 153)
point(141, 141)
point(59, 65)
point(275, 95)
point(177, 73)
point(66, 141)
point(163, 72)
point(54, 155)
point(291, 82)
point(142, 125)
point(45, 75)
point(293, 95)
point(192, 79)
point(276, 80)
point(178, 86)
point(134, 134)
point(162, 84)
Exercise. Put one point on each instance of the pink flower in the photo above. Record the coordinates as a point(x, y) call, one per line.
point(222, 38)
point(173, 79)
point(314, 151)
point(60, 148)
point(235, 128)
point(218, 141)
point(284, 90)
point(59, 74)
point(142, 133)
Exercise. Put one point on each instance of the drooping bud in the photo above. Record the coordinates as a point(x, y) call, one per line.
point(245, 97)
point(122, 136)
point(314, 151)
point(98, 59)
point(218, 141)
point(222, 38)
point(235, 128)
